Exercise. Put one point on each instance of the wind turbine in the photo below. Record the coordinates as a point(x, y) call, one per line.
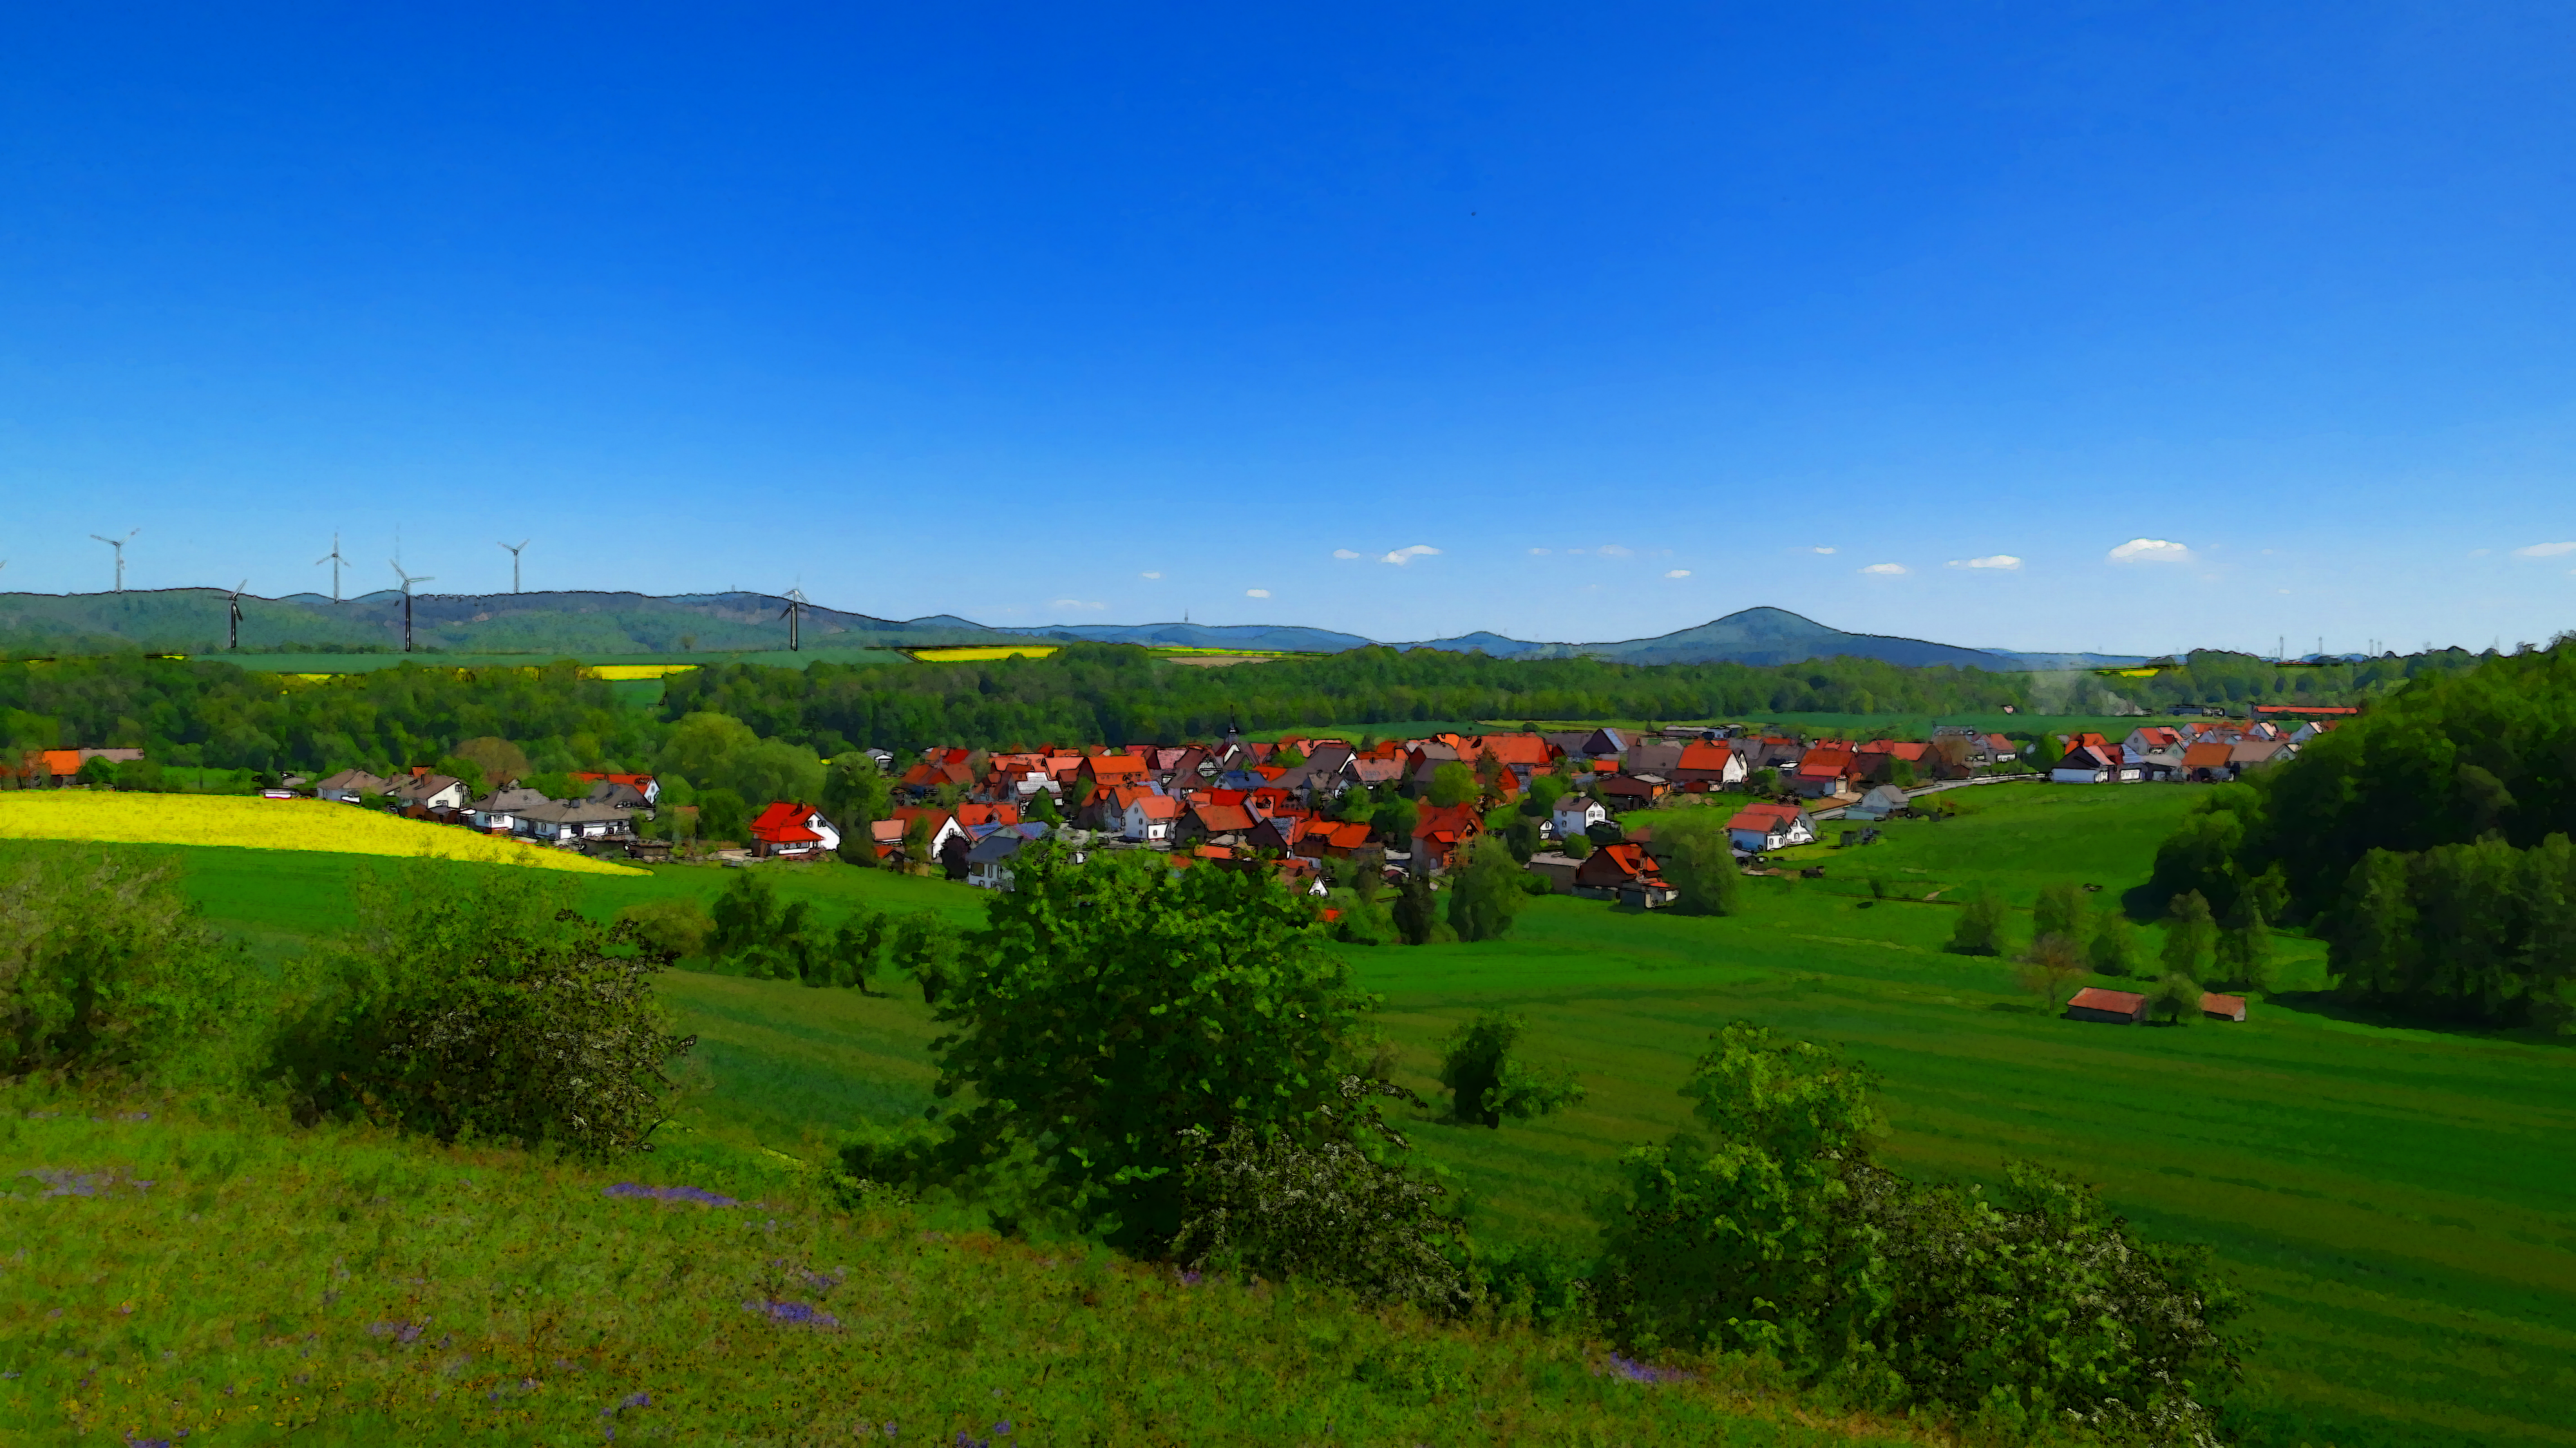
point(408, 579)
point(119, 545)
point(232, 631)
point(514, 562)
point(794, 612)
point(335, 560)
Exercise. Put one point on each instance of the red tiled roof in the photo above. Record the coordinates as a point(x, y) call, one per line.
point(2118, 1002)
point(1223, 819)
point(2207, 756)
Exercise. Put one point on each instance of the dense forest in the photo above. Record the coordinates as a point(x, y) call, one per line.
point(2213, 677)
point(2426, 840)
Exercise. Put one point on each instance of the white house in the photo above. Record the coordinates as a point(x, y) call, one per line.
point(430, 791)
point(348, 784)
point(1760, 827)
point(499, 811)
point(565, 822)
point(1576, 813)
point(1151, 818)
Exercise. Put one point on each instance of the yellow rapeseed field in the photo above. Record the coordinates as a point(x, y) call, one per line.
point(981, 652)
point(264, 824)
point(636, 671)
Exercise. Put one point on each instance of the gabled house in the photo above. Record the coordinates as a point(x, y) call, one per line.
point(1222, 822)
point(1625, 872)
point(1714, 763)
point(2092, 759)
point(1757, 828)
point(943, 828)
point(644, 785)
point(1438, 831)
point(2208, 763)
point(422, 790)
point(988, 864)
point(498, 812)
point(1576, 814)
point(1334, 839)
point(2121, 1007)
point(791, 828)
point(570, 822)
point(1629, 791)
point(1148, 817)
point(1827, 769)
point(1882, 801)
point(349, 785)
point(1111, 771)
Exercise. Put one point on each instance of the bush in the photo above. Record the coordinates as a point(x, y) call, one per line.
point(105, 967)
point(678, 928)
point(1113, 1005)
point(480, 1003)
point(1779, 1236)
point(1313, 1201)
point(1417, 909)
point(2114, 950)
point(1486, 1084)
point(925, 948)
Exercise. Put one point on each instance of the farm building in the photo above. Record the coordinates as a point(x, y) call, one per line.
point(2093, 1003)
point(2222, 1007)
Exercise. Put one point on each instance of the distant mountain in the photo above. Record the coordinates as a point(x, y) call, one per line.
point(2069, 661)
point(191, 620)
point(1288, 638)
point(1752, 636)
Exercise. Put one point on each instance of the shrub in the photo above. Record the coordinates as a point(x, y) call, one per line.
point(678, 928)
point(1486, 1084)
point(1314, 1201)
point(1115, 1004)
point(2048, 967)
point(480, 1004)
point(1417, 909)
point(2114, 949)
point(104, 964)
point(2060, 911)
point(925, 948)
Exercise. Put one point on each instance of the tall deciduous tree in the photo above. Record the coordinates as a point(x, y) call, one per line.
point(1486, 895)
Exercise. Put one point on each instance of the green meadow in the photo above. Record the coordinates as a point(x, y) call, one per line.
point(2398, 1204)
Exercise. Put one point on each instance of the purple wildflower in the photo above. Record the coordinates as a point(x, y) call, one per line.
point(1189, 1279)
point(1637, 1372)
point(401, 1332)
point(800, 1313)
point(636, 1400)
point(669, 1194)
point(1002, 1429)
point(133, 1442)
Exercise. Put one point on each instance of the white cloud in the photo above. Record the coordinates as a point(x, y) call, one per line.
point(1820, 550)
point(1677, 573)
point(1996, 560)
point(1073, 603)
point(1407, 555)
point(1884, 568)
point(1612, 550)
point(1344, 553)
point(2149, 550)
point(1149, 575)
point(1256, 593)
point(1539, 551)
point(2544, 550)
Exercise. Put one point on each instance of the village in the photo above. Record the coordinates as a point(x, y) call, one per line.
point(1577, 807)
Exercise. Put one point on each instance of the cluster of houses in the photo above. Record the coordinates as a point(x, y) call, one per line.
point(605, 816)
point(2189, 753)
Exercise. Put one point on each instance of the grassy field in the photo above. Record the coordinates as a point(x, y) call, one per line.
point(2396, 1201)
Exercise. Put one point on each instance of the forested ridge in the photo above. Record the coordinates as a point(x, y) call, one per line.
point(2427, 840)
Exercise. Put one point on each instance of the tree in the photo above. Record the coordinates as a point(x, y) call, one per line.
point(722, 815)
point(2047, 969)
point(2188, 930)
point(2245, 955)
point(1486, 1083)
point(925, 948)
point(2114, 947)
point(98, 772)
point(1394, 821)
point(855, 796)
point(499, 760)
point(1698, 861)
point(1117, 1004)
point(2060, 911)
point(2374, 950)
point(1544, 791)
point(1042, 809)
point(2175, 999)
point(1288, 756)
point(1520, 835)
point(1578, 846)
point(855, 948)
point(1766, 781)
point(1484, 896)
point(1452, 783)
point(1980, 930)
point(916, 857)
point(1417, 909)
point(746, 914)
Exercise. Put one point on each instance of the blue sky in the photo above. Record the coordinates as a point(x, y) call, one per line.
point(1117, 312)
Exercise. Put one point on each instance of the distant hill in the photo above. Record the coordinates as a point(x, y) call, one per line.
point(191, 620)
point(1751, 636)
point(1288, 638)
